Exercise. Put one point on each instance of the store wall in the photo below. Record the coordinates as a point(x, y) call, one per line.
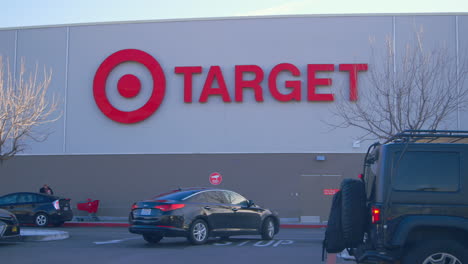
point(292, 184)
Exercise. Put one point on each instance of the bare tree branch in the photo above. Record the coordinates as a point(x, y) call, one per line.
point(419, 89)
point(24, 106)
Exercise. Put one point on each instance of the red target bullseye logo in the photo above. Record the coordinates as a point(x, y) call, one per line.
point(129, 86)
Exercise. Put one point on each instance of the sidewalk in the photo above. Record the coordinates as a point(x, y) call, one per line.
point(34, 234)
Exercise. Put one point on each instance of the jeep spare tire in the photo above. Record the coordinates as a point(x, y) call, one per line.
point(333, 242)
point(353, 211)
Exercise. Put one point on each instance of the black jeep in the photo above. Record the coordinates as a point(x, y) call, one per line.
point(411, 204)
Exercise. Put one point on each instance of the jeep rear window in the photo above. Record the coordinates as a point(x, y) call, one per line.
point(369, 176)
point(433, 171)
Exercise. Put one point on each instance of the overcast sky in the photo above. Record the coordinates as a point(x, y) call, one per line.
point(19, 13)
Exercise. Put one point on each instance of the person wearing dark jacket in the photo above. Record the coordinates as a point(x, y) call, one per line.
point(46, 190)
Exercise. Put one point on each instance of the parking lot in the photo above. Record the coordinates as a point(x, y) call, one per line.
point(117, 245)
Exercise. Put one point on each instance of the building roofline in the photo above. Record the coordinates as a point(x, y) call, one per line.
point(232, 18)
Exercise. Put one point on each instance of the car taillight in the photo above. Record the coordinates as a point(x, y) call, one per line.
point(56, 204)
point(376, 213)
point(169, 207)
point(134, 206)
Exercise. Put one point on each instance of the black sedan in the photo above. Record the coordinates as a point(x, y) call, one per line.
point(9, 226)
point(36, 208)
point(199, 213)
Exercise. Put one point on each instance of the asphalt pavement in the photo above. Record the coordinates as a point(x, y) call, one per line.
point(44, 234)
point(115, 245)
point(35, 234)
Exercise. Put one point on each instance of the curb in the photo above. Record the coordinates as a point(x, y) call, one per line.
point(292, 226)
point(94, 224)
point(108, 224)
point(43, 235)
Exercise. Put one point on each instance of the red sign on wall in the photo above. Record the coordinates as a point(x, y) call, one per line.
point(216, 178)
point(330, 191)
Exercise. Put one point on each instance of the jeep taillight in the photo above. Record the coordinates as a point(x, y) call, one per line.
point(376, 213)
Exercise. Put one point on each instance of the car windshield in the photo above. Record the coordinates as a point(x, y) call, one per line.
point(175, 195)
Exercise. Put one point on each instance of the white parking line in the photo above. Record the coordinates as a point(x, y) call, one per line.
point(283, 242)
point(264, 243)
point(272, 243)
point(115, 241)
point(261, 243)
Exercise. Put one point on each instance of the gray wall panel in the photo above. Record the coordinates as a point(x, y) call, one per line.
point(8, 47)
point(436, 31)
point(463, 51)
point(438, 36)
point(46, 47)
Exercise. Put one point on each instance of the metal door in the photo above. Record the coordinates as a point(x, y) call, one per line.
point(316, 195)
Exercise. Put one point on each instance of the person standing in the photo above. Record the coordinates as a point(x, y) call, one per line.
point(46, 190)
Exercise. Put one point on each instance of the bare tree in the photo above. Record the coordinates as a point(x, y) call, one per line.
point(24, 106)
point(414, 89)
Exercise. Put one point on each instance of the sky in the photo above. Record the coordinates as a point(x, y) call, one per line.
point(23, 13)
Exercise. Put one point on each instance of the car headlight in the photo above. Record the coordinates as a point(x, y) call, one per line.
point(3, 227)
point(15, 221)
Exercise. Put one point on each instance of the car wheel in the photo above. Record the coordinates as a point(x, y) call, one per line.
point(431, 252)
point(268, 229)
point(152, 239)
point(60, 223)
point(41, 220)
point(198, 232)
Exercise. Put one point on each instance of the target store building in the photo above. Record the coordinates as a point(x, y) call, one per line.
point(151, 106)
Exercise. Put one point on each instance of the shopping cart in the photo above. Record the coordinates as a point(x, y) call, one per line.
point(91, 207)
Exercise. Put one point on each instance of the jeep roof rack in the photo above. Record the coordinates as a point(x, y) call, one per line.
point(431, 136)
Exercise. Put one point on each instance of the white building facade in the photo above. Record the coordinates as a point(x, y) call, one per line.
point(151, 106)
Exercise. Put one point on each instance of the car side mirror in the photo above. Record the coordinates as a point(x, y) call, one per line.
point(250, 203)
